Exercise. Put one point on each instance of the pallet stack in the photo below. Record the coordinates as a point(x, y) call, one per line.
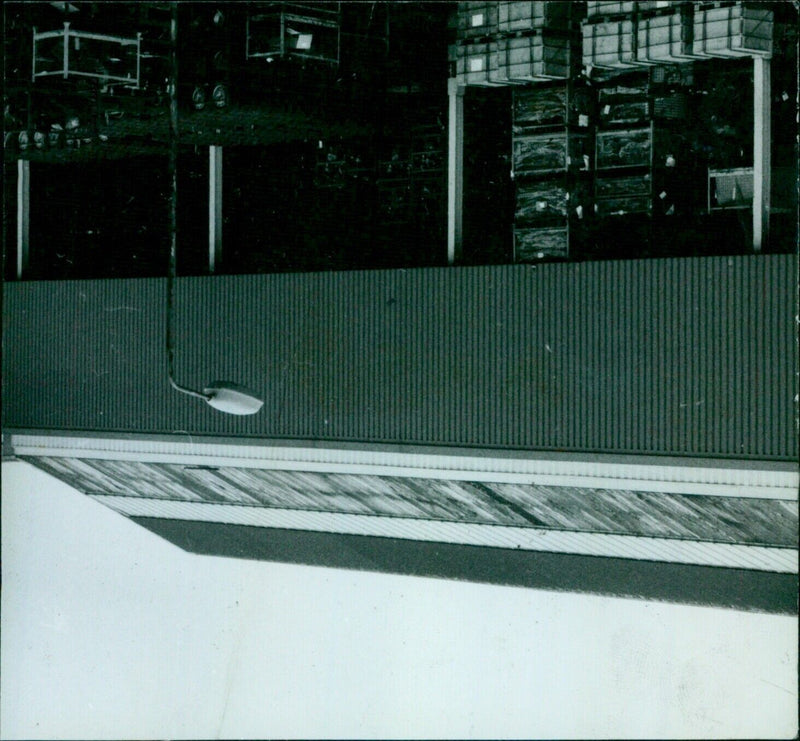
point(628, 35)
point(551, 155)
point(624, 148)
point(640, 149)
point(513, 43)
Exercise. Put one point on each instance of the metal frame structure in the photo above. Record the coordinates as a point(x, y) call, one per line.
point(68, 35)
point(331, 23)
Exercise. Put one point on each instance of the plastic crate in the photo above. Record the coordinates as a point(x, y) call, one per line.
point(622, 205)
point(540, 106)
point(529, 58)
point(472, 64)
point(551, 153)
point(537, 202)
point(528, 16)
point(665, 38)
point(601, 9)
point(609, 45)
point(733, 31)
point(626, 111)
point(476, 19)
point(604, 9)
point(616, 187)
point(532, 245)
point(629, 148)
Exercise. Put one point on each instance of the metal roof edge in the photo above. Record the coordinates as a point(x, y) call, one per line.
point(751, 479)
point(771, 464)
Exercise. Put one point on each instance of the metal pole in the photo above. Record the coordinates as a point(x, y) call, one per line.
point(214, 207)
point(455, 170)
point(66, 50)
point(762, 165)
point(23, 215)
point(173, 207)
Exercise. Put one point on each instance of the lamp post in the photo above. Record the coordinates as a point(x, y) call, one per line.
point(225, 396)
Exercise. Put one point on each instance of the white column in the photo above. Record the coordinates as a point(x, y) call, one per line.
point(23, 215)
point(762, 165)
point(455, 170)
point(214, 207)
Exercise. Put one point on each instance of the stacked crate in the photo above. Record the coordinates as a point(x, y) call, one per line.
point(644, 168)
point(739, 30)
point(626, 35)
point(551, 154)
point(624, 148)
point(510, 43)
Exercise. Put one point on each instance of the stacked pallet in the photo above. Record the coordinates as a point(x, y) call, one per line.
point(551, 148)
point(626, 35)
point(508, 43)
point(624, 148)
point(642, 166)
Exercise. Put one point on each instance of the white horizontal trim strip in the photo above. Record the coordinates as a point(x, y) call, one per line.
point(533, 539)
point(708, 480)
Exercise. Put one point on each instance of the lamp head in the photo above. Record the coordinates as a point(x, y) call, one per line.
point(232, 398)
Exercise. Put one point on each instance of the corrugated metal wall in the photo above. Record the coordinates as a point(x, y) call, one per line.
point(691, 356)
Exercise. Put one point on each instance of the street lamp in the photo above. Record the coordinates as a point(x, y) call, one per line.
point(225, 396)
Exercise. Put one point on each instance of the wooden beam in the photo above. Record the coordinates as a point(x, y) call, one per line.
point(214, 207)
point(23, 216)
point(762, 165)
point(455, 170)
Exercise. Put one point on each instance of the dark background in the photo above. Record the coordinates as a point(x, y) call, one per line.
point(331, 166)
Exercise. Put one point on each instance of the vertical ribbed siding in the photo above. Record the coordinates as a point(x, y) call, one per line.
point(687, 356)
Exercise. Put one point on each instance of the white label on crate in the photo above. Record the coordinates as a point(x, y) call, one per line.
point(606, 110)
point(579, 211)
point(476, 65)
point(583, 120)
point(662, 195)
point(541, 205)
point(477, 19)
point(662, 3)
point(304, 40)
point(785, 96)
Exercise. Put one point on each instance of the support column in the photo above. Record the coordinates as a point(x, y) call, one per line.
point(455, 170)
point(23, 216)
point(762, 140)
point(214, 207)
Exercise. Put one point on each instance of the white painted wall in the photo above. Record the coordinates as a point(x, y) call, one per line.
point(108, 631)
